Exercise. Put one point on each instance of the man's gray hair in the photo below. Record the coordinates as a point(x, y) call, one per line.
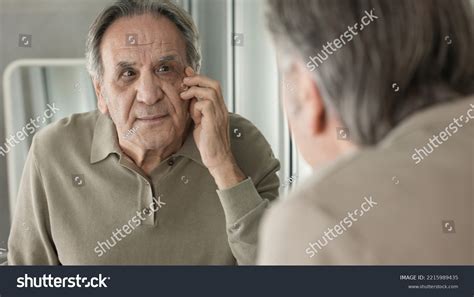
point(128, 8)
point(417, 53)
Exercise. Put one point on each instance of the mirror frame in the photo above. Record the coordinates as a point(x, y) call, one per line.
point(8, 108)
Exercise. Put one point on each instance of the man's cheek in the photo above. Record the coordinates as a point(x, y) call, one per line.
point(182, 109)
point(113, 111)
point(172, 92)
point(122, 101)
point(120, 109)
point(186, 108)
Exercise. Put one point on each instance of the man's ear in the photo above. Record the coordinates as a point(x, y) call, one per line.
point(101, 102)
point(314, 110)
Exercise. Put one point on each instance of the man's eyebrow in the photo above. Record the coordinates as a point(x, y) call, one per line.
point(168, 58)
point(124, 64)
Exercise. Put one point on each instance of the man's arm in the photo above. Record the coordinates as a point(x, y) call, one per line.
point(30, 241)
point(244, 199)
point(244, 206)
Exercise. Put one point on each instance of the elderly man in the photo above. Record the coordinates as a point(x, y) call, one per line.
point(153, 177)
point(383, 108)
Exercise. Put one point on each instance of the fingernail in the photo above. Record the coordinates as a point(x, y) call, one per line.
point(189, 71)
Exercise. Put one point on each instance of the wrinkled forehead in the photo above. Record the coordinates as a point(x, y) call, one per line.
point(144, 55)
point(143, 39)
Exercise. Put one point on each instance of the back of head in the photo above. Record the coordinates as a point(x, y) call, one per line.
point(394, 57)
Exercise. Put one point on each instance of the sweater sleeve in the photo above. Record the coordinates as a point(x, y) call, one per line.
point(244, 206)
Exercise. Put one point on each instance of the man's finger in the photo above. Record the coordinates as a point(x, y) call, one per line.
point(205, 109)
point(202, 81)
point(189, 71)
point(195, 113)
point(200, 93)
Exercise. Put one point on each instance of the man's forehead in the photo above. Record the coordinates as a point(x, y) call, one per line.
point(148, 36)
point(155, 54)
point(127, 61)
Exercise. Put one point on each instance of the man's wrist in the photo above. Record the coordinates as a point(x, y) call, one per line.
point(227, 174)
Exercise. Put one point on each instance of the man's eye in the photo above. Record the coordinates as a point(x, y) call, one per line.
point(164, 68)
point(128, 73)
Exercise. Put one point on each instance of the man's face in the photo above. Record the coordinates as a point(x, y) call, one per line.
point(144, 58)
point(292, 92)
point(305, 110)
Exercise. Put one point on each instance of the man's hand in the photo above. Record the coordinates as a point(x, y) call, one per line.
point(211, 128)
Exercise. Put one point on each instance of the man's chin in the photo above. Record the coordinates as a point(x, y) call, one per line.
point(156, 139)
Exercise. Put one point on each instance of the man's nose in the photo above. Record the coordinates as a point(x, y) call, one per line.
point(149, 89)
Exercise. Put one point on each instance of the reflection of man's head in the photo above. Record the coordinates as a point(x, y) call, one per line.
point(367, 65)
point(137, 52)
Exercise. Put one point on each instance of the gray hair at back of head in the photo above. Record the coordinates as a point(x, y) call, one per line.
point(425, 47)
point(128, 8)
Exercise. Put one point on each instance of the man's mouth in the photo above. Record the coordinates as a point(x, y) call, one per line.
point(152, 118)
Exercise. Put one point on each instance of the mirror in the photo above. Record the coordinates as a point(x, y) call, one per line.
point(36, 93)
